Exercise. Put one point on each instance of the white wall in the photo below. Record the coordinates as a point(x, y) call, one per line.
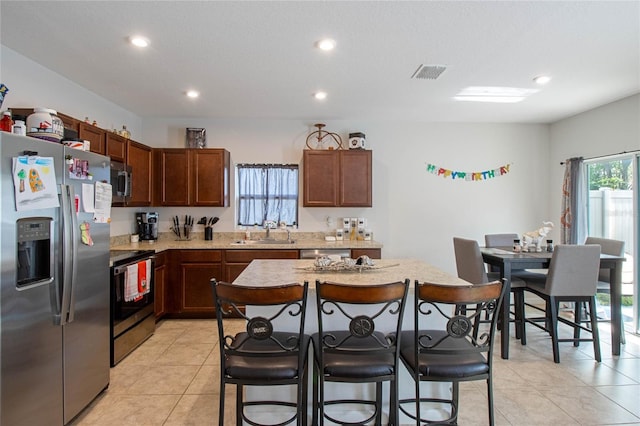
point(609, 129)
point(414, 214)
point(31, 85)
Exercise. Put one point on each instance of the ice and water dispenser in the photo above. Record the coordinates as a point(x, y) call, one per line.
point(35, 251)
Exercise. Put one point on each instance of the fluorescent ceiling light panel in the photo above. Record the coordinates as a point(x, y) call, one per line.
point(493, 94)
point(193, 94)
point(320, 95)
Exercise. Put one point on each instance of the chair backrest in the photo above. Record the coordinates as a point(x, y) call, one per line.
point(469, 263)
point(607, 246)
point(573, 270)
point(451, 331)
point(500, 240)
point(277, 326)
point(350, 317)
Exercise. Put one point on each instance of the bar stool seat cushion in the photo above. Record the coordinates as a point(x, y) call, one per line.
point(366, 365)
point(278, 367)
point(439, 366)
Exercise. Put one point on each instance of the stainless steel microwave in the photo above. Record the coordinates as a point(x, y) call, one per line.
point(121, 176)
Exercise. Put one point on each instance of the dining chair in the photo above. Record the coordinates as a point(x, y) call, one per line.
point(357, 342)
point(272, 350)
point(572, 277)
point(614, 248)
point(470, 267)
point(450, 353)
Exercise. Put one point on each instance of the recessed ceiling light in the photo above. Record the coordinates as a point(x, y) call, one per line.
point(320, 95)
point(493, 94)
point(193, 94)
point(326, 44)
point(139, 41)
point(542, 79)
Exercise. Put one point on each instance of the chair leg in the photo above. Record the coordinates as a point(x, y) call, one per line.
point(239, 405)
point(490, 401)
point(594, 329)
point(394, 411)
point(523, 319)
point(577, 318)
point(315, 405)
point(302, 398)
point(221, 402)
point(379, 403)
point(455, 397)
point(553, 305)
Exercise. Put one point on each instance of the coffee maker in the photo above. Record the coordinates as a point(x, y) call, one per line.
point(147, 225)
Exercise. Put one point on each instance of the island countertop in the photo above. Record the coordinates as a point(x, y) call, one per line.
point(277, 272)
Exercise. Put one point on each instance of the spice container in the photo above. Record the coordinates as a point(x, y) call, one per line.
point(516, 246)
point(45, 124)
point(6, 122)
point(19, 128)
point(550, 246)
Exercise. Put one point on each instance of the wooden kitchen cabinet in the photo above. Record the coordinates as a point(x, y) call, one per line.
point(140, 158)
point(210, 177)
point(116, 147)
point(372, 253)
point(196, 268)
point(191, 177)
point(237, 260)
point(160, 282)
point(337, 178)
point(96, 136)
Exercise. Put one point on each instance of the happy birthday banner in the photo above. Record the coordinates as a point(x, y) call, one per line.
point(487, 174)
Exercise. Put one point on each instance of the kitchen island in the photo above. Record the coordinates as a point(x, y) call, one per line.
point(276, 272)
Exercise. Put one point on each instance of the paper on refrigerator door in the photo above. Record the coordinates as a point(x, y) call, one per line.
point(102, 205)
point(88, 200)
point(34, 181)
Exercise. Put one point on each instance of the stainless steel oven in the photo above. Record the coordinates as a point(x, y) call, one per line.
point(132, 314)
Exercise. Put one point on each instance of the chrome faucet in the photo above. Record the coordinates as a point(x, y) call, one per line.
point(268, 224)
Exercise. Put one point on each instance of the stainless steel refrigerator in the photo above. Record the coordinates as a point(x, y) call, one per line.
point(54, 288)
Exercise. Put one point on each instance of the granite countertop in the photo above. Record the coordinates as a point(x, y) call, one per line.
point(277, 272)
point(225, 241)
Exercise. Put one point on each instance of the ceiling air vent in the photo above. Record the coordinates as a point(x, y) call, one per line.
point(429, 72)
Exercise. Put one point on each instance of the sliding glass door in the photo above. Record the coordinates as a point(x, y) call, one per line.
point(612, 212)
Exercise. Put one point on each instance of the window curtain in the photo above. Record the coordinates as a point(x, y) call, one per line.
point(267, 192)
point(573, 218)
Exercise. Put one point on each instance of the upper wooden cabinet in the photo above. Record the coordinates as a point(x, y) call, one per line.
point(337, 178)
point(140, 158)
point(116, 147)
point(191, 177)
point(96, 136)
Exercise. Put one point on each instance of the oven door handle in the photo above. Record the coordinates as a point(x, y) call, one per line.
point(122, 269)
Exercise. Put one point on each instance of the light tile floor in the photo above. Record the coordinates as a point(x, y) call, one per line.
point(172, 380)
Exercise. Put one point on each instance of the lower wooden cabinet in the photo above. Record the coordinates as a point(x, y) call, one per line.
point(372, 253)
point(195, 270)
point(183, 288)
point(237, 260)
point(160, 282)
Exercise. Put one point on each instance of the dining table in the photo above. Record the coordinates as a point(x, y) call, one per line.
point(507, 260)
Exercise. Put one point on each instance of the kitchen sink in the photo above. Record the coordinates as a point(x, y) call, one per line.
point(255, 242)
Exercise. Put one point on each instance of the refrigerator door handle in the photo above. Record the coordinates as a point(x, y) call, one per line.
point(70, 252)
